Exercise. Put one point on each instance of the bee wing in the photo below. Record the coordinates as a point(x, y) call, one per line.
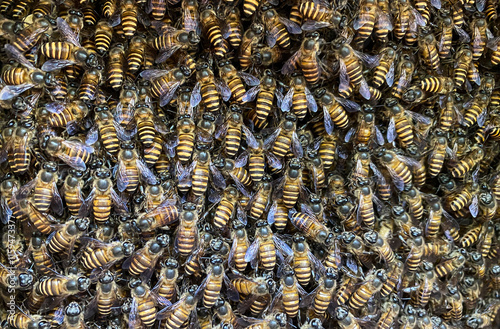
point(282, 247)
point(241, 160)
point(252, 251)
point(221, 131)
point(67, 32)
point(368, 60)
point(251, 141)
point(11, 91)
point(311, 102)
point(328, 121)
point(379, 136)
point(272, 36)
point(311, 25)
point(146, 173)
point(289, 66)
point(349, 134)
point(167, 97)
point(480, 4)
point(449, 223)
point(92, 136)
point(122, 179)
point(291, 27)
point(417, 18)
point(286, 103)
point(190, 21)
point(384, 21)
point(437, 4)
point(196, 95)
point(18, 56)
point(217, 177)
point(273, 161)
point(396, 180)
point(297, 149)
point(87, 204)
point(389, 77)
point(363, 18)
point(166, 54)
point(5, 211)
point(153, 74)
point(249, 79)
point(404, 79)
point(223, 89)
point(56, 64)
point(240, 186)
point(348, 105)
point(121, 133)
point(419, 117)
point(493, 43)
point(391, 131)
point(462, 35)
point(251, 93)
point(477, 38)
point(474, 206)
point(119, 204)
point(364, 90)
point(343, 76)
point(57, 203)
point(271, 139)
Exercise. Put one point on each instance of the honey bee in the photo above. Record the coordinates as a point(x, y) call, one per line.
point(265, 93)
point(171, 40)
point(66, 235)
point(323, 296)
point(373, 240)
point(62, 286)
point(386, 69)
point(345, 318)
point(453, 262)
point(103, 255)
point(285, 137)
point(64, 115)
point(249, 42)
point(307, 59)
point(266, 245)
point(397, 166)
point(186, 239)
point(166, 286)
point(25, 38)
point(278, 27)
point(319, 15)
point(16, 278)
point(177, 314)
point(143, 261)
point(311, 227)
point(72, 152)
point(208, 88)
point(20, 320)
point(212, 28)
point(467, 162)
point(62, 54)
point(480, 35)
point(239, 247)
point(233, 80)
point(166, 82)
point(106, 295)
point(370, 15)
point(8, 187)
point(130, 167)
point(298, 99)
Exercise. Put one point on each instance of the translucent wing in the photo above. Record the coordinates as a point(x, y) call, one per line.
point(292, 27)
point(18, 56)
point(391, 131)
point(250, 95)
point(223, 90)
point(165, 99)
point(328, 121)
point(389, 77)
point(122, 179)
point(249, 79)
point(252, 251)
point(251, 141)
point(286, 104)
point(289, 65)
point(56, 64)
point(146, 173)
point(11, 91)
point(153, 74)
point(311, 102)
point(67, 32)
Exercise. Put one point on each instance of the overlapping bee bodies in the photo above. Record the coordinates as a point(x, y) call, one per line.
point(262, 164)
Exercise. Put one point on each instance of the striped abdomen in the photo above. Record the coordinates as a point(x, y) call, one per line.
point(73, 198)
point(109, 138)
point(232, 140)
point(212, 290)
point(281, 146)
point(57, 50)
point(153, 153)
point(310, 68)
point(353, 69)
point(267, 254)
point(302, 267)
point(322, 299)
point(133, 178)
point(146, 131)
point(101, 208)
point(200, 180)
point(147, 311)
point(210, 97)
point(52, 287)
point(223, 213)
point(291, 191)
point(129, 23)
point(237, 88)
point(42, 198)
point(94, 258)
point(186, 239)
point(16, 76)
point(264, 104)
point(256, 167)
point(299, 104)
point(314, 11)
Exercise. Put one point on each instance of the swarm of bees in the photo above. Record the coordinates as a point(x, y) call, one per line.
point(256, 164)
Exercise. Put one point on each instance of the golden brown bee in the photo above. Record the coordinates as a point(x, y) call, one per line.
point(467, 162)
point(233, 80)
point(345, 318)
point(265, 94)
point(366, 290)
point(212, 29)
point(479, 36)
point(370, 15)
point(311, 227)
point(106, 295)
point(463, 64)
point(116, 67)
point(72, 191)
point(373, 240)
point(453, 262)
point(385, 70)
point(167, 283)
point(303, 261)
point(319, 15)
point(98, 254)
point(64, 115)
point(180, 312)
point(232, 29)
point(143, 261)
point(239, 247)
point(307, 59)
point(103, 36)
point(186, 239)
point(249, 41)
point(72, 152)
point(324, 294)
point(266, 245)
point(389, 312)
point(394, 278)
point(63, 286)
point(234, 170)
point(66, 235)
point(166, 82)
point(278, 27)
point(298, 98)
point(130, 168)
point(171, 41)
point(29, 36)
point(213, 284)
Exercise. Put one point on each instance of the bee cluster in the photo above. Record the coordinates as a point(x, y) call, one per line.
point(258, 164)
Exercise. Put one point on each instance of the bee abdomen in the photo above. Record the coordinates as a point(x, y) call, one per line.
point(223, 214)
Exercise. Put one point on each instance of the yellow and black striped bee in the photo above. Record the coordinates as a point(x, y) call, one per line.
point(103, 36)
point(278, 27)
point(8, 187)
point(186, 240)
point(239, 247)
point(64, 115)
point(64, 53)
point(370, 15)
point(72, 152)
point(18, 140)
point(466, 164)
point(66, 235)
point(306, 58)
point(480, 35)
point(130, 168)
point(27, 37)
point(299, 98)
point(62, 286)
point(19, 79)
point(323, 296)
point(166, 82)
point(144, 301)
point(72, 191)
point(226, 208)
point(166, 286)
point(103, 255)
point(143, 261)
point(208, 89)
point(429, 50)
point(21, 320)
point(106, 296)
point(385, 71)
point(311, 227)
point(232, 29)
point(116, 67)
point(372, 285)
point(233, 79)
point(250, 39)
point(171, 40)
point(212, 29)
point(266, 245)
point(452, 263)
point(320, 15)
point(176, 315)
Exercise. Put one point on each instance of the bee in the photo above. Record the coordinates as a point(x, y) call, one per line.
point(143, 261)
point(311, 227)
point(365, 196)
point(72, 191)
point(265, 94)
point(64, 115)
point(232, 29)
point(345, 318)
point(66, 235)
point(167, 283)
point(20, 320)
point(103, 36)
point(102, 255)
point(239, 248)
point(62, 54)
point(366, 290)
point(234, 170)
point(130, 166)
point(323, 295)
point(8, 187)
point(397, 166)
point(17, 137)
point(369, 15)
point(406, 22)
point(351, 67)
point(250, 39)
point(106, 295)
point(454, 261)
point(404, 76)
point(116, 64)
point(186, 239)
point(285, 137)
point(414, 199)
point(233, 80)
point(170, 41)
point(144, 303)
point(19, 79)
point(224, 312)
point(385, 70)
point(162, 215)
point(207, 89)
point(303, 260)
point(318, 16)
point(480, 35)
point(213, 284)
point(124, 111)
point(463, 64)
point(263, 55)
point(374, 241)
point(211, 28)
point(266, 245)
point(72, 152)
point(278, 28)
point(400, 123)
point(486, 238)
point(166, 82)
point(177, 314)
point(298, 99)
point(394, 278)
point(389, 312)
point(62, 286)
point(307, 59)
point(27, 37)
point(148, 126)
point(231, 130)
point(467, 162)
point(226, 208)
point(440, 148)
